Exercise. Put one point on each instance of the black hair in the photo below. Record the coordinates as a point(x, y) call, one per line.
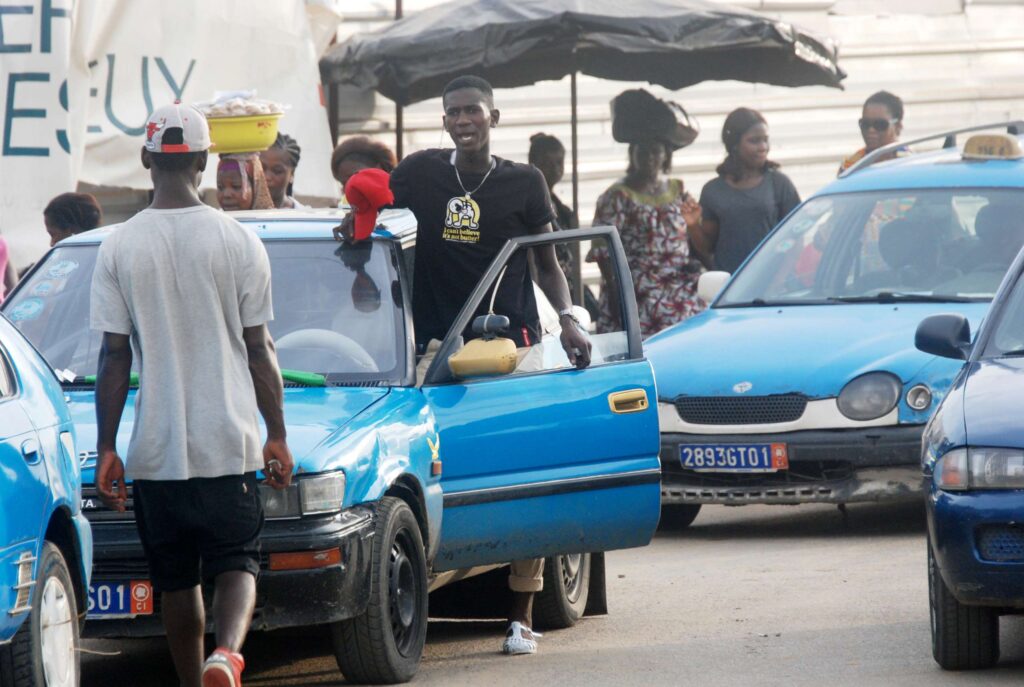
point(364, 149)
point(890, 101)
point(470, 81)
point(737, 123)
point(666, 165)
point(542, 144)
point(173, 162)
point(74, 212)
point(291, 148)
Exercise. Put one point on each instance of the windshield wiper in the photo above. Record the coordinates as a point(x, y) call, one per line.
point(304, 378)
point(1015, 353)
point(899, 297)
point(90, 380)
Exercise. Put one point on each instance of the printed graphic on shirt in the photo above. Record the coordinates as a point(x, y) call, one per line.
point(462, 220)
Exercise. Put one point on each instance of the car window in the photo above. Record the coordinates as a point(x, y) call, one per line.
point(941, 242)
point(7, 385)
point(335, 309)
point(1008, 331)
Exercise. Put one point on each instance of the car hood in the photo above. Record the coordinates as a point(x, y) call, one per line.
point(993, 397)
point(312, 414)
point(813, 350)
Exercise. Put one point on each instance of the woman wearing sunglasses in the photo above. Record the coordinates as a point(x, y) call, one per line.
point(880, 123)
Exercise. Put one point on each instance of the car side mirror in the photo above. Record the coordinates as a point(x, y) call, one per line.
point(710, 284)
point(947, 335)
point(491, 357)
point(489, 326)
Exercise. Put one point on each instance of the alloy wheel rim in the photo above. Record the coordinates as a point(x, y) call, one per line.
point(572, 566)
point(403, 597)
point(57, 635)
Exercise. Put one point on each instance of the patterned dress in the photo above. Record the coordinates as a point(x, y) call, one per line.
point(654, 237)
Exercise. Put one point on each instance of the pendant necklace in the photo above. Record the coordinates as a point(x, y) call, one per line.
point(469, 194)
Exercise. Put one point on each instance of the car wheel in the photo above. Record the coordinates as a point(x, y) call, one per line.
point(44, 652)
point(963, 637)
point(566, 588)
point(678, 516)
point(385, 643)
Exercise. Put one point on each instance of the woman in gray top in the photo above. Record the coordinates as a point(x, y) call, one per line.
point(746, 200)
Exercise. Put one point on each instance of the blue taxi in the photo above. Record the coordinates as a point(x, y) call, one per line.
point(402, 485)
point(973, 461)
point(801, 382)
point(45, 541)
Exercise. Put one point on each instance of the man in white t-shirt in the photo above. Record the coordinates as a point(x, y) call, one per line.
point(185, 290)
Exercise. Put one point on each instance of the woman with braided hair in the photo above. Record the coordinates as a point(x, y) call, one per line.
point(279, 163)
point(69, 214)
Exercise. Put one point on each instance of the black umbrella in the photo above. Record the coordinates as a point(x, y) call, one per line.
point(672, 43)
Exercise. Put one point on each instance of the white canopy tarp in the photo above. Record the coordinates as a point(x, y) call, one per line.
point(91, 71)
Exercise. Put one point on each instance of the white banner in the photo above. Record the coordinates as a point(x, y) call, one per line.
point(123, 59)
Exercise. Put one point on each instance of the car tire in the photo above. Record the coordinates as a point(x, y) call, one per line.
point(678, 516)
point(44, 651)
point(562, 601)
point(963, 637)
point(384, 644)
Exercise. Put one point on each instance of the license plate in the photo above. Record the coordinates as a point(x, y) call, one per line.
point(734, 457)
point(120, 599)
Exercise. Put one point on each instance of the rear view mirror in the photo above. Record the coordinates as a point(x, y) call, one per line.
point(489, 326)
point(491, 357)
point(710, 284)
point(947, 335)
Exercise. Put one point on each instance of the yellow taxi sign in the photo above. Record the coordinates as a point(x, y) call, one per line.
point(992, 147)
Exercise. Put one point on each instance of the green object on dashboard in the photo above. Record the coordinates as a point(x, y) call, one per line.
point(133, 379)
point(307, 378)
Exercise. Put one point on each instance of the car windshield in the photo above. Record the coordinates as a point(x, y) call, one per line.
point(337, 310)
point(915, 245)
point(1007, 337)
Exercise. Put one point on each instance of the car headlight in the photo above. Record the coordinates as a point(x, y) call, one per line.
point(980, 468)
point(322, 493)
point(869, 396)
point(306, 495)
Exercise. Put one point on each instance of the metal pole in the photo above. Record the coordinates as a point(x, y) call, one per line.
point(577, 263)
point(399, 115)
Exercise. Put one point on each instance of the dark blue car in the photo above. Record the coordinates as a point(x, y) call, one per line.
point(973, 460)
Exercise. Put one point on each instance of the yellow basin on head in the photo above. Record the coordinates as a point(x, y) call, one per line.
point(248, 134)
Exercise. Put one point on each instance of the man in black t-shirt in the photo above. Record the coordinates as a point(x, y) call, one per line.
point(467, 204)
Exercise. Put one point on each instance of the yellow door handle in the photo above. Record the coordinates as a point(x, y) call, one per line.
point(632, 401)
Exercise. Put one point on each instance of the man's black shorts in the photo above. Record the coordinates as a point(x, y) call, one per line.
point(215, 522)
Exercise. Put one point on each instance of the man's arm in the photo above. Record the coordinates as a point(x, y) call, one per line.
point(551, 281)
point(112, 379)
point(266, 379)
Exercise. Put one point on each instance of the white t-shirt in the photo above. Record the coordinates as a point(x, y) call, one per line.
point(183, 283)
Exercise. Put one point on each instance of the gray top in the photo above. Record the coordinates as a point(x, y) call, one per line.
point(745, 216)
point(183, 283)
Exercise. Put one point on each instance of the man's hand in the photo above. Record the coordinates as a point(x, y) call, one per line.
point(110, 470)
point(575, 342)
point(346, 231)
point(277, 463)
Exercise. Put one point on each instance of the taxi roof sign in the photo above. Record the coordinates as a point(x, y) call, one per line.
point(997, 146)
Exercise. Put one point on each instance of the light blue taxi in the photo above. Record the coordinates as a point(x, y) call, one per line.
point(402, 485)
point(45, 541)
point(801, 382)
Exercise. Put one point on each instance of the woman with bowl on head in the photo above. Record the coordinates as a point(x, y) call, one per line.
point(241, 184)
point(746, 200)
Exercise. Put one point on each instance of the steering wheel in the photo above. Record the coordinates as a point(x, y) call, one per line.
point(332, 342)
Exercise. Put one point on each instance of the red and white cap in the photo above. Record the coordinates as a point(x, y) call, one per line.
point(195, 132)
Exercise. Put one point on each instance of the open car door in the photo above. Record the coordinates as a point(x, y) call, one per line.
point(546, 459)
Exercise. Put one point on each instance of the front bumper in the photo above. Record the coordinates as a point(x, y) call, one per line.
point(978, 544)
point(825, 466)
point(287, 598)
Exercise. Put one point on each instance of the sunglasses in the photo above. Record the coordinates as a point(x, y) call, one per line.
point(879, 124)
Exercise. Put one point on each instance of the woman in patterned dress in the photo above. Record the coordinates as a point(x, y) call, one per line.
point(652, 213)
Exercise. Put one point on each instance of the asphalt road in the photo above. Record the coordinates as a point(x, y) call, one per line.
point(747, 596)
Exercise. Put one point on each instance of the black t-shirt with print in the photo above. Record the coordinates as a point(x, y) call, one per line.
point(456, 240)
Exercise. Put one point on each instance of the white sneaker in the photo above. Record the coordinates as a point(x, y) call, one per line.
point(516, 644)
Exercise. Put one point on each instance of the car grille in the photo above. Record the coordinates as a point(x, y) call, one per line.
point(1001, 543)
point(741, 410)
point(96, 511)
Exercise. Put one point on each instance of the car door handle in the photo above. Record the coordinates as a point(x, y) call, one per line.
point(632, 401)
point(30, 449)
